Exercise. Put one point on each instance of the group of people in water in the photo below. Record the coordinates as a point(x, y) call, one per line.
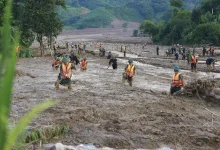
point(68, 63)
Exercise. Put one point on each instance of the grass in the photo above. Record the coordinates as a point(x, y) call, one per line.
point(45, 134)
point(7, 69)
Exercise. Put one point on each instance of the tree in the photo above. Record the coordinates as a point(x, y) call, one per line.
point(176, 3)
point(40, 17)
point(125, 26)
point(149, 28)
point(207, 33)
point(135, 32)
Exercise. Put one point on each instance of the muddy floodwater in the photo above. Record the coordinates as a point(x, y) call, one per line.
point(103, 111)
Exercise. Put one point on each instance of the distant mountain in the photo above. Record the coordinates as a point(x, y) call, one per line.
point(100, 13)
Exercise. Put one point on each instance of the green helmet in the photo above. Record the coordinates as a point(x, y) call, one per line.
point(65, 60)
point(130, 61)
point(85, 58)
point(176, 68)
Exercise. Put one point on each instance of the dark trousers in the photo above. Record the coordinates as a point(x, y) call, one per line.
point(174, 90)
point(114, 66)
point(157, 52)
point(193, 66)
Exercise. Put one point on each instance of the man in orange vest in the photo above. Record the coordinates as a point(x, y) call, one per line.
point(177, 81)
point(129, 72)
point(65, 74)
point(84, 64)
point(193, 62)
point(56, 63)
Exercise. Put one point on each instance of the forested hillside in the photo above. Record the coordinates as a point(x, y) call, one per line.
point(201, 26)
point(100, 13)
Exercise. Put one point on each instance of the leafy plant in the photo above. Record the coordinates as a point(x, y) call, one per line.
point(7, 70)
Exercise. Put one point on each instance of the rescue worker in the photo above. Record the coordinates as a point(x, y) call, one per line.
point(84, 46)
point(80, 48)
point(114, 63)
point(109, 55)
point(203, 50)
point(55, 47)
point(84, 64)
point(210, 62)
point(64, 77)
point(176, 55)
point(56, 63)
point(177, 81)
point(74, 58)
point(188, 55)
point(193, 62)
point(157, 50)
point(125, 51)
point(212, 51)
point(129, 73)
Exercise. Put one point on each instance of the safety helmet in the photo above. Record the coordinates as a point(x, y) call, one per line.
point(176, 68)
point(65, 60)
point(130, 61)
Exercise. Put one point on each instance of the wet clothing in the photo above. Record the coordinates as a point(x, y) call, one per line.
point(177, 56)
point(183, 56)
point(130, 70)
point(188, 55)
point(84, 64)
point(176, 87)
point(209, 61)
point(204, 51)
point(74, 58)
point(157, 50)
point(129, 73)
point(64, 77)
point(114, 63)
point(212, 51)
point(193, 62)
point(109, 55)
point(174, 90)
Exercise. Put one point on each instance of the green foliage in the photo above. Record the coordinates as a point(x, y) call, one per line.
point(46, 134)
point(7, 70)
point(135, 33)
point(129, 10)
point(148, 27)
point(207, 33)
point(97, 18)
point(176, 3)
point(202, 25)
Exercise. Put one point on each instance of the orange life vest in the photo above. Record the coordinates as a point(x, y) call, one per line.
point(56, 62)
point(212, 50)
point(66, 70)
point(83, 63)
point(193, 60)
point(130, 70)
point(176, 78)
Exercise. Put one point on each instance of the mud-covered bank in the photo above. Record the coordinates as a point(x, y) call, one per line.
point(101, 110)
